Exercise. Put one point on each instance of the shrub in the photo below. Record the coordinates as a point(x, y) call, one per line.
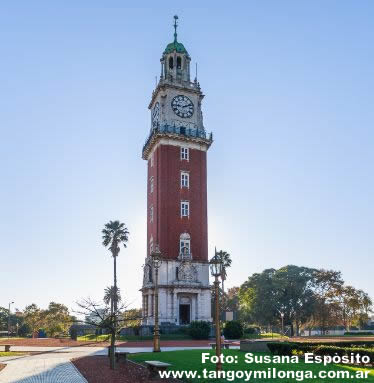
point(288, 348)
point(199, 330)
point(233, 330)
point(73, 333)
point(282, 348)
point(329, 350)
point(252, 330)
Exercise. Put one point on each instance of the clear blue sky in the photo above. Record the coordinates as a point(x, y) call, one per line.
point(289, 97)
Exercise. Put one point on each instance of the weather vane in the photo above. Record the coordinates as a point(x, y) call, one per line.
point(175, 28)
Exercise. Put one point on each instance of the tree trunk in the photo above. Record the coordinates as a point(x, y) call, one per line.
point(112, 350)
point(114, 317)
point(115, 284)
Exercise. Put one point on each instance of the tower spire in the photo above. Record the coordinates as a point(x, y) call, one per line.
point(175, 28)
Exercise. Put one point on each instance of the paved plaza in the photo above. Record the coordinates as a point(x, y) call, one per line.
point(53, 364)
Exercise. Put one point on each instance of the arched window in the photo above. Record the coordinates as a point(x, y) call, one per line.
point(171, 63)
point(184, 243)
point(179, 62)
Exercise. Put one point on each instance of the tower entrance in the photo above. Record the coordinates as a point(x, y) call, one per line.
point(184, 313)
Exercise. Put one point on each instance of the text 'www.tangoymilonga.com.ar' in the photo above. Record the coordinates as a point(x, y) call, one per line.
point(271, 373)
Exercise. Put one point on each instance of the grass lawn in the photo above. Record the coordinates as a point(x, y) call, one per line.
point(190, 360)
point(11, 353)
point(265, 335)
point(131, 338)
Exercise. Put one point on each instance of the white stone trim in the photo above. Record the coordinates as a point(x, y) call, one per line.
point(174, 142)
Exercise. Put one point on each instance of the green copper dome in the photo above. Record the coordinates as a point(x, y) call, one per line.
point(175, 46)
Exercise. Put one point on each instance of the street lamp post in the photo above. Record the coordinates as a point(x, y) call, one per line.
point(10, 303)
point(156, 263)
point(216, 271)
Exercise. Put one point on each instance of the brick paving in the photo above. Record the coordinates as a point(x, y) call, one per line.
point(43, 368)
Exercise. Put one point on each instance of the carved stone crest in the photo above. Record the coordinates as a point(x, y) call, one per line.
point(187, 272)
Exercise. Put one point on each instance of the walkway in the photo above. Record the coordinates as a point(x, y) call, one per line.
point(50, 367)
point(53, 364)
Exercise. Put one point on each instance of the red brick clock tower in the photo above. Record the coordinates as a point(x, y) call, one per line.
point(176, 155)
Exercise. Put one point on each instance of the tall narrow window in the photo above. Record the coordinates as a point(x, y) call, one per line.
point(179, 62)
point(185, 180)
point(184, 154)
point(151, 182)
point(146, 305)
point(151, 246)
point(184, 244)
point(151, 214)
point(171, 63)
point(185, 209)
point(151, 160)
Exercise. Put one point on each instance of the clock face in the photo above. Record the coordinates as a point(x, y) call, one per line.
point(182, 106)
point(156, 114)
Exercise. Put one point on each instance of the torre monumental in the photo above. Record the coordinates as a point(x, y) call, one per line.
point(176, 154)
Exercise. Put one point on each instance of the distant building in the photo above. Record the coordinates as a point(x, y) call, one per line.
point(95, 318)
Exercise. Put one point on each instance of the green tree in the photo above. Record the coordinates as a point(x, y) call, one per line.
point(327, 288)
point(257, 299)
point(111, 295)
point(225, 258)
point(294, 294)
point(57, 319)
point(232, 299)
point(288, 290)
point(114, 234)
point(132, 318)
point(34, 317)
point(3, 318)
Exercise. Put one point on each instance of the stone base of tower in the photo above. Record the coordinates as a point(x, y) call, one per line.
point(181, 306)
point(183, 297)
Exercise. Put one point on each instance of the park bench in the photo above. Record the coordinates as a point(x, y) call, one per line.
point(7, 347)
point(154, 366)
point(223, 345)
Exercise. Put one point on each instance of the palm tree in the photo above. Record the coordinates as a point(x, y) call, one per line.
point(110, 295)
point(114, 233)
point(225, 258)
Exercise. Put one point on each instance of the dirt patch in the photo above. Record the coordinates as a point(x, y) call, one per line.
point(2, 366)
point(96, 370)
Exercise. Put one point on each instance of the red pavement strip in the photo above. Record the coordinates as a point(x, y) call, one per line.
point(47, 342)
point(50, 342)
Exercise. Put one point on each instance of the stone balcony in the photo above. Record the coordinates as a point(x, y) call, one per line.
point(175, 131)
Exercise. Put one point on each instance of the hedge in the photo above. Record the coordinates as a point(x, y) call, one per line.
point(233, 330)
point(363, 333)
point(199, 329)
point(289, 349)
